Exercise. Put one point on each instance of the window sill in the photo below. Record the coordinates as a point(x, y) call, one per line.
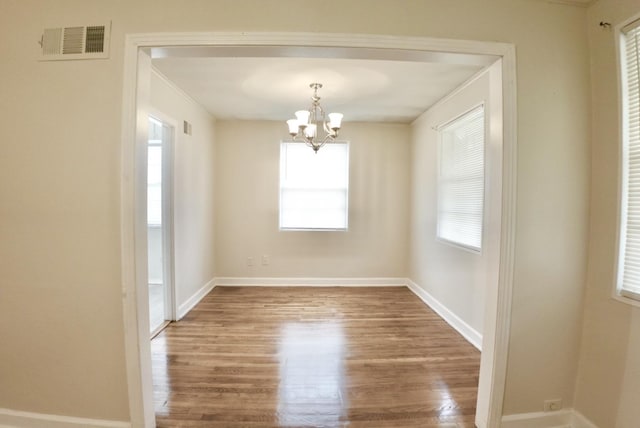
point(467, 248)
point(624, 296)
point(300, 229)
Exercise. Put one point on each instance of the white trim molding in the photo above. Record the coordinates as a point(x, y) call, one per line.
point(16, 418)
point(312, 282)
point(472, 335)
point(136, 73)
point(189, 304)
point(135, 95)
point(175, 87)
point(578, 420)
point(566, 418)
point(557, 419)
point(578, 3)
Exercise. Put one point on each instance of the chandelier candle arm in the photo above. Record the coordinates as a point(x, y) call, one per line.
point(306, 125)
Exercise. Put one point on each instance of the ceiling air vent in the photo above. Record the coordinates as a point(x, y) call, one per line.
point(86, 42)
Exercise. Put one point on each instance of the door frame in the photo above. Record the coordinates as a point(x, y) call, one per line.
point(168, 247)
point(137, 69)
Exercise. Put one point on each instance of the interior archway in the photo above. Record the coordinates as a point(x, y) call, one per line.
point(140, 49)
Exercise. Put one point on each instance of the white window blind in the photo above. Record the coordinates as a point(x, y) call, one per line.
point(461, 180)
point(629, 258)
point(314, 187)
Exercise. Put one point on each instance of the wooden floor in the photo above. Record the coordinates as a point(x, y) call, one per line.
point(313, 357)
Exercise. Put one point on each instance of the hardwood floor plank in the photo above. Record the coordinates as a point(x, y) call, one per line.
point(313, 357)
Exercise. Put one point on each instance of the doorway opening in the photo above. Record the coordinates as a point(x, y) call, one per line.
point(159, 236)
point(137, 70)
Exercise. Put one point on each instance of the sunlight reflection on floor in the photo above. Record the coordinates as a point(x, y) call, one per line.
point(312, 375)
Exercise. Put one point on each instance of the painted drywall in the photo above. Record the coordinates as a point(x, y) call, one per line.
point(628, 412)
point(60, 181)
point(608, 383)
point(456, 277)
point(247, 177)
point(193, 187)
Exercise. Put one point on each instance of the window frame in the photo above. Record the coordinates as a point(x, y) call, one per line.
point(620, 293)
point(439, 129)
point(315, 229)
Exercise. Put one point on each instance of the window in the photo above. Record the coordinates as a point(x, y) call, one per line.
point(628, 283)
point(461, 180)
point(314, 187)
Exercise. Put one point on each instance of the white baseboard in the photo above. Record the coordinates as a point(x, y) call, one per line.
point(468, 332)
point(567, 418)
point(184, 308)
point(580, 421)
point(315, 282)
point(15, 418)
point(558, 419)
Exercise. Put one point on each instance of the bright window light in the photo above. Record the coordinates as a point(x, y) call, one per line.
point(628, 284)
point(314, 187)
point(461, 180)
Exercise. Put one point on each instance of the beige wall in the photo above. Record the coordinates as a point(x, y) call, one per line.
point(193, 187)
point(456, 277)
point(608, 385)
point(247, 176)
point(60, 287)
point(60, 266)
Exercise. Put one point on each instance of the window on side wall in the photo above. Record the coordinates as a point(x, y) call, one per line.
point(628, 281)
point(461, 180)
point(314, 187)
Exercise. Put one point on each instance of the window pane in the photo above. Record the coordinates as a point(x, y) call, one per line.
point(461, 180)
point(314, 186)
point(629, 257)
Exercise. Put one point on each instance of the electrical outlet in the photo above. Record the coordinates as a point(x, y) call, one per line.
point(552, 405)
point(249, 261)
point(265, 260)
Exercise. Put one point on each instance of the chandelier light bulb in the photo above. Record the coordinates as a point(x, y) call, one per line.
point(303, 117)
point(335, 120)
point(293, 126)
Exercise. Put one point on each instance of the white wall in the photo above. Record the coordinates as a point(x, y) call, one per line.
point(608, 385)
point(455, 277)
point(60, 180)
point(247, 177)
point(193, 187)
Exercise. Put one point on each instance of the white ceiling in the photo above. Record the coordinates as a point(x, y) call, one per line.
point(263, 87)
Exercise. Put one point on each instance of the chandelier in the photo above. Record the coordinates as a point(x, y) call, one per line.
point(307, 125)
